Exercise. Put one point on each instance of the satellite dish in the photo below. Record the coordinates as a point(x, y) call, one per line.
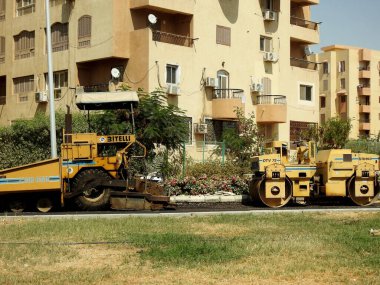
point(115, 73)
point(152, 19)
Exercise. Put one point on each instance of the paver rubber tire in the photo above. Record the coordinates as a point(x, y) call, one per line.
point(93, 197)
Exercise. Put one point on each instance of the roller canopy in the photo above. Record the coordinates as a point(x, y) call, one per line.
point(107, 100)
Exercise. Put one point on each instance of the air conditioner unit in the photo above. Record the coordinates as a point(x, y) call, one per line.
point(256, 87)
point(211, 82)
point(41, 97)
point(173, 89)
point(200, 128)
point(270, 56)
point(270, 15)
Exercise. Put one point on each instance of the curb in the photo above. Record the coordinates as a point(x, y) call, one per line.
point(209, 199)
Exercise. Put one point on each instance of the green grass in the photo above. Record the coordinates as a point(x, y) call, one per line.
point(244, 249)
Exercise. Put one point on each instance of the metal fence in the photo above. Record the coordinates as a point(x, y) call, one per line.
point(202, 151)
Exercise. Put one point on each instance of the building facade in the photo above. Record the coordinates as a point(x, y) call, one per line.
point(209, 56)
point(350, 87)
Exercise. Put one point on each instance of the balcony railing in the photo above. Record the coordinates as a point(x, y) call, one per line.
point(228, 93)
point(304, 23)
point(271, 100)
point(27, 9)
point(96, 88)
point(299, 62)
point(170, 38)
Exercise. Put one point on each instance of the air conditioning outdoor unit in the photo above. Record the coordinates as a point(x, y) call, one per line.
point(211, 82)
point(256, 87)
point(270, 56)
point(41, 97)
point(173, 89)
point(200, 128)
point(270, 15)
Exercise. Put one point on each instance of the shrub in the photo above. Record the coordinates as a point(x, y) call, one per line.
point(206, 185)
point(215, 167)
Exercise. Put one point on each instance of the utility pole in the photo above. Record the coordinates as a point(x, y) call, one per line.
point(53, 138)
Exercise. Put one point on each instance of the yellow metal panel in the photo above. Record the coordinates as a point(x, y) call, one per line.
point(269, 184)
point(368, 186)
point(44, 175)
point(336, 188)
point(302, 188)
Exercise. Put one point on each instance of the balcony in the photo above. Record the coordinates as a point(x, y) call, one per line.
point(299, 62)
point(177, 6)
point(169, 38)
point(271, 109)
point(364, 73)
point(304, 30)
point(342, 108)
point(364, 125)
point(225, 102)
point(305, 2)
point(364, 90)
point(364, 108)
point(365, 55)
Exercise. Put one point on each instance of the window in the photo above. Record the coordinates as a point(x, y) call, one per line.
point(323, 102)
point(57, 2)
point(223, 35)
point(60, 79)
point(306, 93)
point(84, 31)
point(267, 85)
point(343, 83)
point(325, 85)
point(172, 74)
point(2, 10)
point(323, 119)
point(24, 45)
point(216, 128)
point(24, 7)
point(3, 90)
point(268, 5)
point(342, 66)
point(325, 67)
point(265, 44)
point(223, 84)
point(22, 86)
point(2, 49)
point(343, 99)
point(59, 37)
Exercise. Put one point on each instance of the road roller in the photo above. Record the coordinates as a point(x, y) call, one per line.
point(283, 174)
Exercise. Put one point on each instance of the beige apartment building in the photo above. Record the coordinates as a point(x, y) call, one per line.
point(209, 56)
point(350, 87)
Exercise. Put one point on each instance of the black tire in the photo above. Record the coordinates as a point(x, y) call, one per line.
point(93, 197)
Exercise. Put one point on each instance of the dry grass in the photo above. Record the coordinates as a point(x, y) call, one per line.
point(247, 249)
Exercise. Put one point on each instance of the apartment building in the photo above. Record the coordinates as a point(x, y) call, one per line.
point(350, 87)
point(209, 56)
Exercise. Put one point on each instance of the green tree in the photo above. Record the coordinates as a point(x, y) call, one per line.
point(332, 134)
point(157, 123)
point(245, 141)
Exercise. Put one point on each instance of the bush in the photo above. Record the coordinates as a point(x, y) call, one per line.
point(206, 185)
point(215, 167)
point(362, 145)
point(28, 141)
